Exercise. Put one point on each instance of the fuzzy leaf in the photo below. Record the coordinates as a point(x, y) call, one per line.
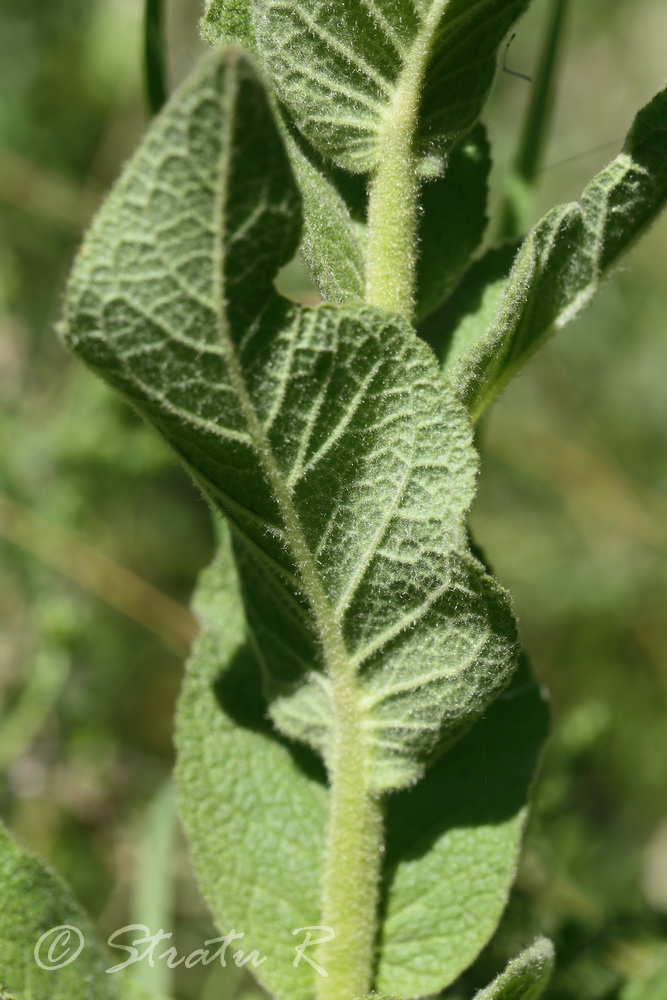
point(452, 220)
point(228, 21)
point(471, 308)
point(330, 245)
point(564, 258)
point(253, 805)
point(340, 66)
point(453, 843)
point(327, 437)
point(34, 902)
point(249, 796)
point(526, 977)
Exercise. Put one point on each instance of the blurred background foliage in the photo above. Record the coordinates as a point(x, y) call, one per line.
point(101, 536)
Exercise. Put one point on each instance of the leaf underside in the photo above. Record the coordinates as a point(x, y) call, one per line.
point(344, 466)
point(558, 268)
point(326, 436)
point(526, 977)
point(338, 67)
point(260, 802)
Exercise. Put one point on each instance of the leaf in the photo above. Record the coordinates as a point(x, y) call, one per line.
point(250, 797)
point(327, 437)
point(228, 21)
point(452, 220)
point(153, 893)
point(470, 310)
point(520, 180)
point(453, 843)
point(526, 977)
point(344, 69)
point(330, 245)
point(34, 903)
point(564, 258)
point(254, 807)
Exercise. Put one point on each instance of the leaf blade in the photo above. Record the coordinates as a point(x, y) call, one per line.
point(339, 68)
point(526, 976)
point(245, 795)
point(564, 258)
point(229, 760)
point(452, 221)
point(35, 907)
point(325, 436)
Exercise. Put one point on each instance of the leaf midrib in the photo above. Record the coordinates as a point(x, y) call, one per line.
point(338, 664)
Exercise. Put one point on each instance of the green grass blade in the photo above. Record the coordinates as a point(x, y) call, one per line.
point(153, 886)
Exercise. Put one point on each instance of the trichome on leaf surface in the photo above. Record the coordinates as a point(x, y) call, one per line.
point(358, 729)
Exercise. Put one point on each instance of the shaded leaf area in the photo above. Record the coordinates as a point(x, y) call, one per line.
point(340, 67)
point(526, 977)
point(260, 801)
point(452, 220)
point(327, 437)
point(559, 266)
point(472, 307)
point(332, 237)
point(34, 903)
point(330, 242)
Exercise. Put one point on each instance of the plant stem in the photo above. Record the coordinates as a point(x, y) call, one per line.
point(355, 845)
point(154, 68)
point(394, 189)
point(518, 195)
point(392, 227)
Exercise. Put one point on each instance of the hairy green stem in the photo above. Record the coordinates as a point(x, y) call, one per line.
point(392, 227)
point(355, 845)
point(393, 196)
point(355, 832)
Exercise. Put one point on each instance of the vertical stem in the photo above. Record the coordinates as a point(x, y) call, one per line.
point(355, 844)
point(392, 228)
point(536, 126)
point(392, 204)
point(154, 68)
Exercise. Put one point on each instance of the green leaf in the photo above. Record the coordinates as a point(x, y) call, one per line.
point(343, 69)
point(526, 977)
point(330, 241)
point(464, 318)
point(452, 220)
point(453, 844)
point(564, 258)
point(327, 437)
point(154, 61)
point(153, 894)
point(34, 903)
point(228, 21)
point(520, 180)
point(254, 807)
